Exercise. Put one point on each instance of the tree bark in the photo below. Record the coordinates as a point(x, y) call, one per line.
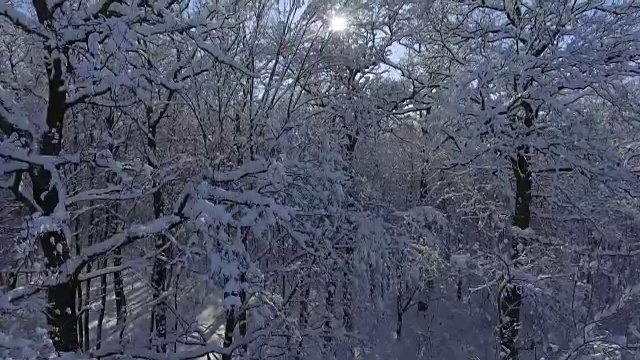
point(81, 320)
point(347, 296)
point(399, 317)
point(118, 282)
point(176, 307)
point(103, 305)
point(229, 327)
point(86, 339)
point(61, 304)
point(331, 291)
point(158, 282)
point(61, 307)
point(304, 318)
point(118, 288)
point(242, 318)
point(159, 278)
point(511, 297)
point(87, 301)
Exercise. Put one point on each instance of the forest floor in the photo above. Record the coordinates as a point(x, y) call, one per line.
point(200, 312)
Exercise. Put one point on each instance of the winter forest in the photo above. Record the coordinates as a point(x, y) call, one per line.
point(320, 179)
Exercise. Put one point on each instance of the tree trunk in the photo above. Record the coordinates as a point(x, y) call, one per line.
point(118, 289)
point(118, 282)
point(86, 340)
point(511, 297)
point(103, 304)
point(331, 291)
point(61, 307)
point(229, 327)
point(61, 304)
point(87, 301)
point(304, 318)
point(236, 316)
point(61, 316)
point(159, 284)
point(399, 317)
point(159, 280)
point(81, 320)
point(242, 318)
point(177, 311)
point(347, 319)
point(399, 306)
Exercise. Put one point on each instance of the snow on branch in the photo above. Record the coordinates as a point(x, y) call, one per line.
point(248, 169)
point(72, 267)
point(12, 152)
point(217, 54)
point(21, 21)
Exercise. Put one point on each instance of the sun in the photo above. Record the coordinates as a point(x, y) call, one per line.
point(338, 23)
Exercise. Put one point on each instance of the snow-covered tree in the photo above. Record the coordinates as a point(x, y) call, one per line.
point(307, 179)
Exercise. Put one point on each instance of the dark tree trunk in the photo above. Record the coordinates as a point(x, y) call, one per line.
point(159, 277)
point(399, 317)
point(511, 297)
point(236, 316)
point(103, 305)
point(399, 306)
point(12, 279)
point(103, 288)
point(81, 320)
point(175, 305)
point(331, 292)
point(229, 327)
point(304, 318)
point(159, 284)
point(61, 307)
point(86, 339)
point(118, 282)
point(242, 317)
point(87, 301)
point(61, 304)
point(347, 309)
point(63, 329)
point(118, 288)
